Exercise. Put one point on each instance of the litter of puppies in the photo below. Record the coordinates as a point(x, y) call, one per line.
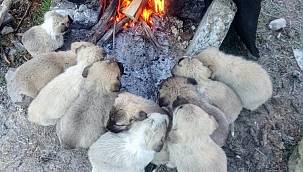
point(79, 92)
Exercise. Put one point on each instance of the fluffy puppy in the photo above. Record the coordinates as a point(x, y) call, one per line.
point(217, 92)
point(131, 150)
point(248, 79)
point(127, 109)
point(189, 144)
point(48, 36)
point(57, 96)
point(175, 87)
point(32, 76)
point(86, 119)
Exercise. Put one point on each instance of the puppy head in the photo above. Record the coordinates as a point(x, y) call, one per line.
point(60, 23)
point(191, 68)
point(191, 121)
point(154, 130)
point(209, 57)
point(76, 45)
point(174, 86)
point(129, 108)
point(89, 54)
point(105, 73)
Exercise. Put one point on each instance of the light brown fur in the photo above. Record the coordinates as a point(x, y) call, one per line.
point(131, 150)
point(57, 96)
point(46, 37)
point(85, 121)
point(126, 110)
point(174, 87)
point(190, 147)
point(248, 79)
point(32, 76)
point(217, 92)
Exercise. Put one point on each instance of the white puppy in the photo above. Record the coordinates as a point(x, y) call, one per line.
point(132, 150)
point(248, 79)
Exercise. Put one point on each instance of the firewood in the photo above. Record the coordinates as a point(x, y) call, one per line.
point(4, 7)
point(103, 24)
point(114, 30)
point(150, 35)
point(135, 8)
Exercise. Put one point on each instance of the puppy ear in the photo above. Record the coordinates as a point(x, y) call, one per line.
point(115, 87)
point(163, 102)
point(86, 71)
point(77, 50)
point(70, 19)
point(121, 68)
point(192, 81)
point(181, 59)
point(141, 116)
point(179, 101)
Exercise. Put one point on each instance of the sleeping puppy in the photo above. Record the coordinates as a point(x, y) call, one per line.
point(127, 109)
point(131, 150)
point(189, 144)
point(175, 87)
point(217, 92)
point(248, 79)
point(28, 79)
point(85, 121)
point(58, 95)
point(48, 36)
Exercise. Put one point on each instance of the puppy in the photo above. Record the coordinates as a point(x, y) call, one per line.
point(189, 144)
point(175, 87)
point(57, 96)
point(86, 119)
point(48, 36)
point(217, 92)
point(32, 76)
point(127, 109)
point(248, 79)
point(132, 150)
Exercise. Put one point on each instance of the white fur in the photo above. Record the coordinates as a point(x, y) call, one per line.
point(129, 151)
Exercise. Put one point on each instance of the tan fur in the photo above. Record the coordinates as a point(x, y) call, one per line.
point(190, 146)
point(248, 79)
point(32, 76)
point(174, 87)
point(57, 96)
point(85, 121)
point(48, 36)
point(126, 110)
point(218, 93)
point(131, 150)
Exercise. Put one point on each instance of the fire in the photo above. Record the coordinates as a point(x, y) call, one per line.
point(152, 7)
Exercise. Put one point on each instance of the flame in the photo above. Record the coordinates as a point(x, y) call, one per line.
point(153, 7)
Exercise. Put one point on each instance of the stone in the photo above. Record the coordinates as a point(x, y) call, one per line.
point(213, 27)
point(7, 30)
point(277, 24)
point(83, 16)
point(295, 163)
point(298, 53)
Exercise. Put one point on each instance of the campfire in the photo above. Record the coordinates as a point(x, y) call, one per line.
point(118, 14)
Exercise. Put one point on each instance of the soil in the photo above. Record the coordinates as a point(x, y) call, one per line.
point(263, 140)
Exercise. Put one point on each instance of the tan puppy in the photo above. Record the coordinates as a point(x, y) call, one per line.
point(127, 109)
point(57, 96)
point(48, 36)
point(86, 119)
point(174, 87)
point(32, 76)
point(248, 79)
point(217, 92)
point(190, 146)
point(132, 150)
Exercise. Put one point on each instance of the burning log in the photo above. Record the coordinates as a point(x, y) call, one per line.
point(103, 24)
point(114, 29)
point(4, 7)
point(134, 10)
point(213, 27)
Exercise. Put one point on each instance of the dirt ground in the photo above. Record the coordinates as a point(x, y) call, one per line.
point(263, 141)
